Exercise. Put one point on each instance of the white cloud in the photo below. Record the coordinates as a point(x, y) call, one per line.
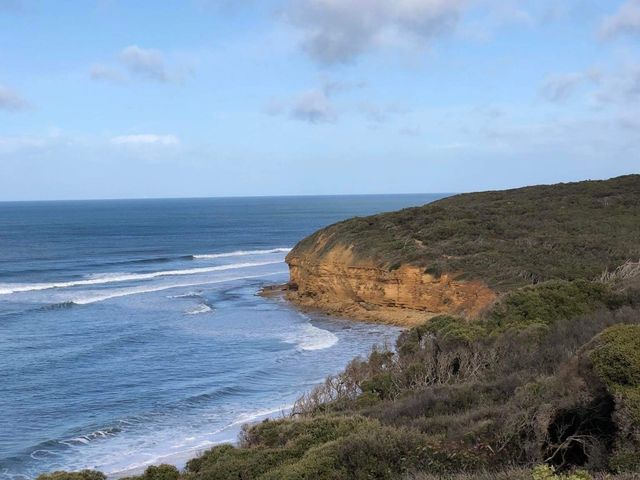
point(317, 105)
point(558, 88)
point(146, 63)
point(615, 87)
point(313, 106)
point(621, 87)
point(380, 113)
point(625, 20)
point(338, 31)
point(141, 63)
point(11, 100)
point(106, 73)
point(146, 139)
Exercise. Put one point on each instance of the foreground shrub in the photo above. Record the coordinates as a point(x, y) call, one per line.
point(381, 453)
point(82, 475)
point(545, 472)
point(615, 358)
point(161, 472)
point(550, 302)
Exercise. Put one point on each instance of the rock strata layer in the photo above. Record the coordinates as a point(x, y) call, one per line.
point(337, 283)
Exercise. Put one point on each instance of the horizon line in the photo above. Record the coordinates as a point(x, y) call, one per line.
point(223, 197)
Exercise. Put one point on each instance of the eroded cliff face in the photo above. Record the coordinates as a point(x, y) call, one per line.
point(336, 282)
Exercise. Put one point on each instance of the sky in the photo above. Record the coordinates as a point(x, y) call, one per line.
point(202, 98)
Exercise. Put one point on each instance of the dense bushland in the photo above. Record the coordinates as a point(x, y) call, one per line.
point(507, 238)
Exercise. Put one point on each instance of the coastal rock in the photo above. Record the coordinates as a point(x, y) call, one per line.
point(337, 282)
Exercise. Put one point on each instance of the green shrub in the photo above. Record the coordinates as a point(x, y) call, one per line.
point(82, 475)
point(161, 472)
point(379, 453)
point(545, 472)
point(616, 357)
point(548, 302)
point(381, 385)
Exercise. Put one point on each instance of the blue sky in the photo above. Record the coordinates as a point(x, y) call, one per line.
point(113, 98)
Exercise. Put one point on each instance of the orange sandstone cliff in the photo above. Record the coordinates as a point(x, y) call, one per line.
point(336, 282)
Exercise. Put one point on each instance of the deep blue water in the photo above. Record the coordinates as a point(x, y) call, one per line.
point(131, 333)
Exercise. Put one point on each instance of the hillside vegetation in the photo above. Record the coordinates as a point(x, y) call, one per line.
point(506, 238)
point(544, 385)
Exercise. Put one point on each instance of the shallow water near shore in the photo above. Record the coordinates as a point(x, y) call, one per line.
point(131, 332)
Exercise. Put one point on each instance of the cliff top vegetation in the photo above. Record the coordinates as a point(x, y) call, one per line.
point(507, 238)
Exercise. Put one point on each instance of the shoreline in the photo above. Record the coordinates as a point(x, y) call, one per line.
point(230, 433)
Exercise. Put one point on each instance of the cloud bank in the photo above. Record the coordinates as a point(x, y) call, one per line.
point(625, 21)
point(338, 31)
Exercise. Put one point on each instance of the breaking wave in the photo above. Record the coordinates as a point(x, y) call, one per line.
point(310, 337)
point(100, 279)
point(240, 253)
point(136, 291)
point(202, 308)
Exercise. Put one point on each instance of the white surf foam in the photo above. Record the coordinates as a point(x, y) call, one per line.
point(309, 337)
point(199, 309)
point(261, 414)
point(187, 447)
point(185, 295)
point(140, 290)
point(241, 253)
point(100, 279)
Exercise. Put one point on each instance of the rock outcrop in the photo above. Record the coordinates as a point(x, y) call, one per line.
point(338, 283)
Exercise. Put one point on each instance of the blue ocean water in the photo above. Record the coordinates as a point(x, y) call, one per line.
point(131, 332)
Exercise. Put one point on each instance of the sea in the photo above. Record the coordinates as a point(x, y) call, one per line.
point(131, 332)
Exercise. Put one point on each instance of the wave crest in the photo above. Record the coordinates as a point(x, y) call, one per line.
point(310, 337)
point(100, 279)
point(240, 253)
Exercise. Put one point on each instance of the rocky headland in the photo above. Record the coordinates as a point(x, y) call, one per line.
point(459, 255)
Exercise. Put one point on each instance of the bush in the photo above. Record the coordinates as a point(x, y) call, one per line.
point(82, 475)
point(380, 453)
point(161, 472)
point(545, 472)
point(549, 302)
point(616, 357)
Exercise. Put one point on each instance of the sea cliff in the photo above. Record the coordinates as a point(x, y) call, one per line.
point(459, 255)
point(340, 284)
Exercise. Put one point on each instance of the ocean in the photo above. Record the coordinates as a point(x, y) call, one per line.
point(131, 332)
